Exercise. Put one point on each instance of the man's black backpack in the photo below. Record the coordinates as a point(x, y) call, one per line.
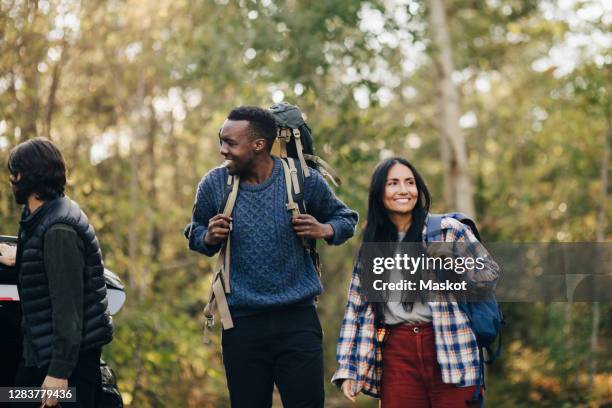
point(108, 394)
point(294, 139)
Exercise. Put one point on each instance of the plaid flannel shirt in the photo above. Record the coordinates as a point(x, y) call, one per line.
point(359, 351)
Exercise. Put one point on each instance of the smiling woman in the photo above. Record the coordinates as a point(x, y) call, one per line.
point(391, 349)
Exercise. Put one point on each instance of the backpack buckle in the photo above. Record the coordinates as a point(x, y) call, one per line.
point(292, 206)
point(284, 134)
point(210, 321)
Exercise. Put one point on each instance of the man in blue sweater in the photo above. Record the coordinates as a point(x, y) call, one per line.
point(277, 337)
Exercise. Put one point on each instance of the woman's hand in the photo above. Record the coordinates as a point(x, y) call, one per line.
point(347, 389)
point(8, 253)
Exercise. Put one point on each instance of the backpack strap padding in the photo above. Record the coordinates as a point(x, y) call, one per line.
point(291, 204)
point(217, 301)
point(227, 211)
point(294, 176)
point(298, 184)
point(298, 144)
point(297, 205)
point(283, 135)
point(227, 190)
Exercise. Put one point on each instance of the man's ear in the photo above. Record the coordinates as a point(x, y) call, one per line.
point(260, 145)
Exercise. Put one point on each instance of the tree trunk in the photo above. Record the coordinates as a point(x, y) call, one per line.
point(154, 236)
point(457, 181)
point(174, 157)
point(136, 273)
point(55, 82)
point(31, 50)
point(600, 237)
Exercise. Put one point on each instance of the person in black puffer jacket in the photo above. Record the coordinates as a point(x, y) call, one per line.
point(60, 279)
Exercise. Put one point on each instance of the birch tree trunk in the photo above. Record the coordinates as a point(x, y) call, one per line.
point(600, 237)
point(154, 236)
point(136, 272)
point(457, 183)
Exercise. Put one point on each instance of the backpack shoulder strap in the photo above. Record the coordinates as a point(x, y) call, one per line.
point(298, 181)
point(294, 181)
point(217, 302)
point(228, 207)
point(230, 193)
point(434, 227)
point(298, 146)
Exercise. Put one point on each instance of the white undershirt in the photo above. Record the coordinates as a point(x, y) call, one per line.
point(394, 311)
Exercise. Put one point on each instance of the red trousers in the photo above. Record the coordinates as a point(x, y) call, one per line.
point(411, 376)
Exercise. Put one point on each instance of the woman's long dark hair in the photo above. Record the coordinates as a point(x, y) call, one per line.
point(379, 227)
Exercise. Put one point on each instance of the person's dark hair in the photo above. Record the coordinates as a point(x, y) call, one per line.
point(261, 122)
point(42, 169)
point(380, 228)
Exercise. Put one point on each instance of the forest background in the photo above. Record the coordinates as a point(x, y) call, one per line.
point(514, 94)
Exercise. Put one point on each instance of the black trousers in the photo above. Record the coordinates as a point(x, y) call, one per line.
point(85, 377)
point(282, 347)
point(10, 341)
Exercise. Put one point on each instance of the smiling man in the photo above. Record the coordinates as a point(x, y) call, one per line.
point(277, 337)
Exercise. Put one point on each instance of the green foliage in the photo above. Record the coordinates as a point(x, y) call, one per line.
point(134, 93)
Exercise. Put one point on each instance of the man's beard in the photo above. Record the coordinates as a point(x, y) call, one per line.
point(237, 169)
point(231, 167)
point(21, 193)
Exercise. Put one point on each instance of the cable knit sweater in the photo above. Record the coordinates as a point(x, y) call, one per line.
point(269, 266)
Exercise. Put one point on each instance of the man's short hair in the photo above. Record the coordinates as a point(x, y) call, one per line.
point(260, 120)
point(41, 166)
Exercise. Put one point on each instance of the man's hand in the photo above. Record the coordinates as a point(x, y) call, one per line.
point(218, 229)
point(8, 253)
point(307, 226)
point(52, 383)
point(347, 389)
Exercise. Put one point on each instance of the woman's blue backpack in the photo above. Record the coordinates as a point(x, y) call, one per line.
point(486, 318)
